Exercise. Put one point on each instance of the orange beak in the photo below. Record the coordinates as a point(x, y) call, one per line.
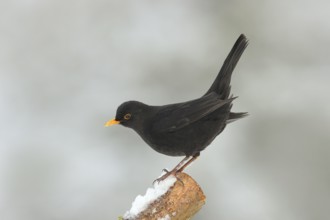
point(111, 122)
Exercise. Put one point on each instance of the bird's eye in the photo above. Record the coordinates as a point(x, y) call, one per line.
point(127, 116)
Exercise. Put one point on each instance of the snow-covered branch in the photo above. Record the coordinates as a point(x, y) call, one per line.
point(173, 198)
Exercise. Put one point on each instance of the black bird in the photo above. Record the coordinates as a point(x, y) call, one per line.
point(186, 128)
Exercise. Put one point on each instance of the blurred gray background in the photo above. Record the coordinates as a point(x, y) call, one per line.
point(65, 66)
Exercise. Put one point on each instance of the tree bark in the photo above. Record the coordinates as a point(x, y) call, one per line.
point(182, 201)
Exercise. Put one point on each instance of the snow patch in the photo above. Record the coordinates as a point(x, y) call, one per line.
point(167, 217)
point(141, 202)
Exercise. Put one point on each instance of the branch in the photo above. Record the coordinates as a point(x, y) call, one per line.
point(167, 201)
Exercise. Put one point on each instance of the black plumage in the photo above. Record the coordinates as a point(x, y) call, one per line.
point(186, 128)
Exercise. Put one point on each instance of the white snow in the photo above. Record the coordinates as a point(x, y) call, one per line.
point(141, 202)
point(167, 217)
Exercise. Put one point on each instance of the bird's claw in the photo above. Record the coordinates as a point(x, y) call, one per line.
point(167, 174)
point(163, 177)
point(165, 170)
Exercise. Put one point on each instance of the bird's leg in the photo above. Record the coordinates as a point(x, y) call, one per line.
point(174, 170)
point(194, 157)
point(178, 168)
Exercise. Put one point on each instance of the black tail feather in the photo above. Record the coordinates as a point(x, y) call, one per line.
point(233, 116)
point(221, 84)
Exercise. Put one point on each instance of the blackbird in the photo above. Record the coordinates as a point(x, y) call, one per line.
point(186, 128)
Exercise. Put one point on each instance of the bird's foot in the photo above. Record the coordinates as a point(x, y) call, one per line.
point(173, 172)
point(165, 170)
point(178, 168)
point(165, 175)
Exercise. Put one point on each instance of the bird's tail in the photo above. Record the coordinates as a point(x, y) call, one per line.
point(233, 116)
point(221, 84)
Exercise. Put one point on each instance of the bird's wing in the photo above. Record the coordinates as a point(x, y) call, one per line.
point(177, 116)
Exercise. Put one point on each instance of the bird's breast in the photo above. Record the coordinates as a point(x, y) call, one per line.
point(186, 141)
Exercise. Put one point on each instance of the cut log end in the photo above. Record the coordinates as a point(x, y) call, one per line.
point(181, 201)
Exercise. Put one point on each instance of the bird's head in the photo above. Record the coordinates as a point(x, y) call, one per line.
point(129, 114)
